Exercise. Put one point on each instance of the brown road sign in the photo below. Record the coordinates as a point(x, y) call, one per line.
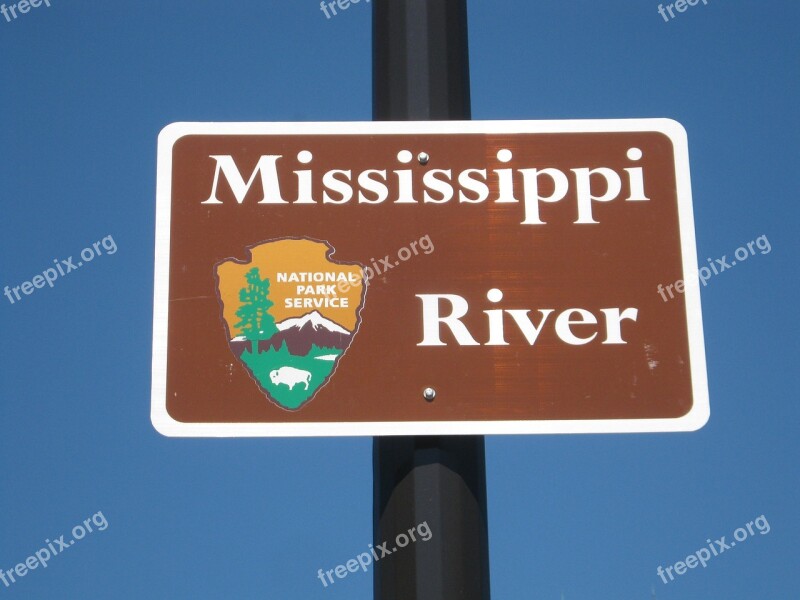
point(426, 278)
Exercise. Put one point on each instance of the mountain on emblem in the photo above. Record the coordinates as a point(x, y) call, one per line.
point(290, 313)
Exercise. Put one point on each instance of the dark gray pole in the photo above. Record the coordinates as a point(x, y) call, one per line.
point(420, 60)
point(421, 72)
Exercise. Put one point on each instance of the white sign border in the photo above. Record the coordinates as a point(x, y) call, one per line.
point(166, 425)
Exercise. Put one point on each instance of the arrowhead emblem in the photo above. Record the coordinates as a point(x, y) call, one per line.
point(290, 313)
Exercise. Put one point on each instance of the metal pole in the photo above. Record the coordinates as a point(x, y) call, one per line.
point(421, 72)
point(420, 60)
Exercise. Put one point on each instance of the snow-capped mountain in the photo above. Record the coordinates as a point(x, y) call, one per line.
point(300, 333)
point(315, 319)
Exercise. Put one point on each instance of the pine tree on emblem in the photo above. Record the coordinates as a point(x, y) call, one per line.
point(255, 322)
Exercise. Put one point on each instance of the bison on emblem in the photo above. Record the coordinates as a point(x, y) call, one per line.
point(290, 377)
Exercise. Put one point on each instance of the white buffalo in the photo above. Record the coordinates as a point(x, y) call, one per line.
point(289, 376)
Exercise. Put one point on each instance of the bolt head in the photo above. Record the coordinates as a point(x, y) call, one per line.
point(423, 158)
point(429, 394)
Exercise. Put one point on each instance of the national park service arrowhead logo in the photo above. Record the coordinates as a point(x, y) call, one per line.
point(290, 313)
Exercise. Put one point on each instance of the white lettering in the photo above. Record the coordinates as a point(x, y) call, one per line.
point(267, 167)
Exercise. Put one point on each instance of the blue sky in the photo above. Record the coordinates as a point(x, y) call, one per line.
point(85, 89)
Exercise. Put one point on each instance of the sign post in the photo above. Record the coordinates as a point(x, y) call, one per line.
point(426, 279)
point(421, 72)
